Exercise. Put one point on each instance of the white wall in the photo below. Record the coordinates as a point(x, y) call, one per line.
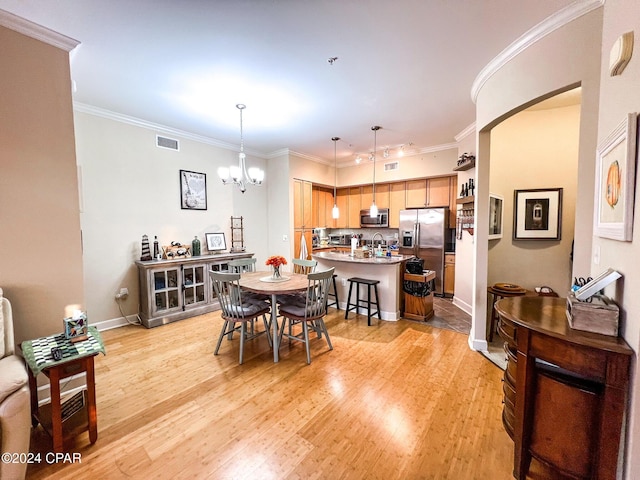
point(130, 187)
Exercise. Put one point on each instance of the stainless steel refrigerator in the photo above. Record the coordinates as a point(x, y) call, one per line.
point(422, 234)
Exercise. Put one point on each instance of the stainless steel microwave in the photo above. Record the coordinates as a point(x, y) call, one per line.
point(380, 221)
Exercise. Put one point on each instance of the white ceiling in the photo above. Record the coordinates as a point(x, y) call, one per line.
point(407, 65)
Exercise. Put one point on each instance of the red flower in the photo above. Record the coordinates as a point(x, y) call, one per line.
point(276, 261)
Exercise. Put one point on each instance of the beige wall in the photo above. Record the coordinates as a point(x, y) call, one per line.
point(535, 149)
point(567, 57)
point(41, 269)
point(411, 166)
point(130, 188)
point(619, 96)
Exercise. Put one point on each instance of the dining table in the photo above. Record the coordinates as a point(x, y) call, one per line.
point(264, 283)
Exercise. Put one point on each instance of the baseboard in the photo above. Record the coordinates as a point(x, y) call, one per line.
point(464, 306)
point(478, 345)
point(116, 323)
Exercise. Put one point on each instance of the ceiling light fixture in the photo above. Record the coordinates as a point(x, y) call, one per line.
point(358, 159)
point(239, 174)
point(401, 151)
point(373, 210)
point(386, 153)
point(335, 211)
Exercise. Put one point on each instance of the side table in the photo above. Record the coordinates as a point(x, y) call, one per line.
point(76, 358)
point(498, 295)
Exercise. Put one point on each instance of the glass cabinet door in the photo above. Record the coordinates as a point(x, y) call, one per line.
point(166, 292)
point(194, 284)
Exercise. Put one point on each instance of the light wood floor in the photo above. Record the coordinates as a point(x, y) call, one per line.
point(397, 400)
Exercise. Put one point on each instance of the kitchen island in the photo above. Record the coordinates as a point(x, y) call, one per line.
point(388, 270)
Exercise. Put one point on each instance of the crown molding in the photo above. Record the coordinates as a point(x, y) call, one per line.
point(550, 24)
point(36, 31)
point(466, 132)
point(156, 127)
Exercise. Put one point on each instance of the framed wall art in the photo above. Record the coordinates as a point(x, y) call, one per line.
point(537, 214)
point(615, 176)
point(215, 242)
point(496, 203)
point(193, 190)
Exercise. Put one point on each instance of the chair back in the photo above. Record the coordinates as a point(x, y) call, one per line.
point(318, 293)
point(7, 345)
point(242, 265)
point(229, 294)
point(303, 266)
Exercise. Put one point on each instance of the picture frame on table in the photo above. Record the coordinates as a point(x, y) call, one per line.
point(496, 208)
point(215, 242)
point(615, 177)
point(537, 214)
point(193, 190)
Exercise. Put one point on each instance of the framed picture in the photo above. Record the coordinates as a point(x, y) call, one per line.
point(215, 242)
point(193, 190)
point(537, 214)
point(615, 174)
point(496, 203)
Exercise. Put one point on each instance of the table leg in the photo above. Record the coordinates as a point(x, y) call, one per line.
point(274, 327)
point(91, 401)
point(56, 411)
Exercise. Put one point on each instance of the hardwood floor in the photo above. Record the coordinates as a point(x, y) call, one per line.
point(397, 400)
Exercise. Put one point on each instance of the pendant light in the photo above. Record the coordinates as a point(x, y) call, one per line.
point(373, 210)
point(335, 211)
point(239, 174)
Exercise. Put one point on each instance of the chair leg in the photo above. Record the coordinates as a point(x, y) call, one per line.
point(369, 305)
point(305, 329)
point(323, 327)
point(243, 332)
point(223, 332)
point(267, 331)
point(346, 311)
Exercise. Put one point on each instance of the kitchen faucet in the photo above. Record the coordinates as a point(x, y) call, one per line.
point(373, 238)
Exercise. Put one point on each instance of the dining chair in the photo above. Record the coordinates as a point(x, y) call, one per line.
point(241, 265)
point(301, 265)
point(309, 313)
point(235, 310)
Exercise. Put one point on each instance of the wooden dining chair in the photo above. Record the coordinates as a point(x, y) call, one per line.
point(236, 311)
point(310, 313)
point(303, 266)
point(241, 265)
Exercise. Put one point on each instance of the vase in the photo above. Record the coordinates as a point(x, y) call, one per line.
point(275, 275)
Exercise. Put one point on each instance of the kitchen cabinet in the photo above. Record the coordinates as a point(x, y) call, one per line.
point(449, 273)
point(354, 208)
point(172, 290)
point(328, 208)
point(438, 190)
point(302, 204)
point(343, 205)
point(416, 193)
point(322, 202)
point(382, 196)
point(453, 205)
point(396, 203)
point(297, 242)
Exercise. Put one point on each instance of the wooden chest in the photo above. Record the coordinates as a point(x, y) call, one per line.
point(598, 315)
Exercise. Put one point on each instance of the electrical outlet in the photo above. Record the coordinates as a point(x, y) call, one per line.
point(122, 294)
point(285, 238)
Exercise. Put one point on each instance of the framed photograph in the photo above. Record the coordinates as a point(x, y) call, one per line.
point(215, 242)
point(537, 214)
point(496, 203)
point(615, 174)
point(193, 190)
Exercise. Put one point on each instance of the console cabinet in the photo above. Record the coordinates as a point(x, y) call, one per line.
point(175, 289)
point(565, 391)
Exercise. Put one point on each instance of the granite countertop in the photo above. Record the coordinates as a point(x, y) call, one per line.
point(346, 257)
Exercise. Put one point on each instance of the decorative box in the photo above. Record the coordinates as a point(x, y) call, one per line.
point(598, 315)
point(76, 327)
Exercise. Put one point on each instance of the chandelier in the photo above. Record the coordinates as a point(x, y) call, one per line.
point(238, 174)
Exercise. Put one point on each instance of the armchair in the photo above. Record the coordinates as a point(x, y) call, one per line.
point(15, 406)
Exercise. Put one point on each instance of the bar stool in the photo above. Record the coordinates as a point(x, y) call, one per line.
point(335, 302)
point(499, 295)
point(369, 283)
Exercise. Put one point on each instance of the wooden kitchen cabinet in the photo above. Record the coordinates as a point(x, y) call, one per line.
point(396, 203)
point(354, 208)
point(382, 196)
point(342, 200)
point(416, 193)
point(453, 205)
point(449, 273)
point(438, 190)
point(322, 202)
point(297, 241)
point(302, 204)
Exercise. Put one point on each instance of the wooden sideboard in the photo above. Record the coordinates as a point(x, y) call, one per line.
point(175, 289)
point(565, 391)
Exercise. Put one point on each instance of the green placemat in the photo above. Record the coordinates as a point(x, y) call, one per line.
point(38, 355)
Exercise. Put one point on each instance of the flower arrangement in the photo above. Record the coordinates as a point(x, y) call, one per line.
point(275, 261)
